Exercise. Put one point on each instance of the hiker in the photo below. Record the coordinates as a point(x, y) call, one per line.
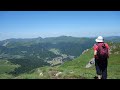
point(101, 54)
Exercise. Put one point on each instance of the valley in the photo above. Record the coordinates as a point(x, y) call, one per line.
point(44, 57)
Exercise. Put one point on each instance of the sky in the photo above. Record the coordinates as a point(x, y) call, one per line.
point(33, 24)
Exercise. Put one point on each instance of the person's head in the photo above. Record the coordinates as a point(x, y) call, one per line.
point(99, 39)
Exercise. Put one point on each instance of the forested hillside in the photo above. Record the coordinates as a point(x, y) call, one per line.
point(76, 69)
point(38, 52)
point(60, 57)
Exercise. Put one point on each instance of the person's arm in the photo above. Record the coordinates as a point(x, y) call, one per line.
point(95, 50)
point(95, 53)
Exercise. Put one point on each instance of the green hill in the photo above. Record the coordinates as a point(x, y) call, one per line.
point(5, 68)
point(38, 52)
point(55, 57)
point(75, 69)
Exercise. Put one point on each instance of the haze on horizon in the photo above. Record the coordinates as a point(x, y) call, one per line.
point(33, 24)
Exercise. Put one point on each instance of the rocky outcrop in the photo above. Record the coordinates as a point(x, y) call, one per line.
point(57, 74)
point(90, 63)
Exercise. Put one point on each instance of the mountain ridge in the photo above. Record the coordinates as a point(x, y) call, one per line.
point(76, 69)
point(51, 54)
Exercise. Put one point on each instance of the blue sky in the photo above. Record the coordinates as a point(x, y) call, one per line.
point(32, 24)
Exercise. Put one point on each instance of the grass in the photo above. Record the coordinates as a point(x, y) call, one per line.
point(5, 68)
point(6, 76)
point(114, 67)
point(74, 69)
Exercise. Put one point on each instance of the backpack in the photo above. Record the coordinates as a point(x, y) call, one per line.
point(102, 51)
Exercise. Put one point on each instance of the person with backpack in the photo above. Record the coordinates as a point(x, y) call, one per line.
point(101, 55)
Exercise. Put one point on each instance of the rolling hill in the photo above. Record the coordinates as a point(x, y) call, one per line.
point(38, 52)
point(75, 69)
point(54, 58)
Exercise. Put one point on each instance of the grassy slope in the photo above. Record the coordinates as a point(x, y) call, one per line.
point(76, 68)
point(5, 68)
point(79, 64)
point(71, 69)
point(114, 67)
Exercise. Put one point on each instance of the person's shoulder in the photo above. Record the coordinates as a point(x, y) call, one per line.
point(106, 44)
point(95, 45)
